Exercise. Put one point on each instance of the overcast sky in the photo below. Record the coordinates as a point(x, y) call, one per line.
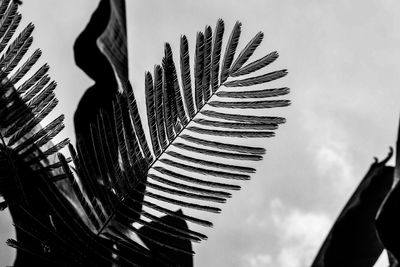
point(343, 59)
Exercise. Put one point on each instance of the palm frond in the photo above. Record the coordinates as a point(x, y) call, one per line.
point(121, 184)
point(190, 146)
point(24, 108)
point(48, 227)
point(136, 181)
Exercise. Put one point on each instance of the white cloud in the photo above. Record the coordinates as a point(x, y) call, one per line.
point(302, 233)
point(258, 260)
point(331, 152)
point(332, 162)
point(299, 234)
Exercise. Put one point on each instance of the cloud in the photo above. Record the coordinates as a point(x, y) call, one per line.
point(332, 162)
point(302, 233)
point(258, 260)
point(299, 234)
point(332, 153)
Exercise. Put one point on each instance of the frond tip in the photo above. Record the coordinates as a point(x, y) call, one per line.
point(194, 121)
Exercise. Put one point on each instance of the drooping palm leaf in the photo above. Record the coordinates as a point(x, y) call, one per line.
point(387, 221)
point(353, 239)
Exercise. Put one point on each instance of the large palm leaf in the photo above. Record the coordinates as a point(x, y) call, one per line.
point(386, 220)
point(353, 239)
point(192, 137)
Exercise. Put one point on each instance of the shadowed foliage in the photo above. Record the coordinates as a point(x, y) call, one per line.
point(387, 222)
point(353, 240)
point(368, 224)
point(119, 199)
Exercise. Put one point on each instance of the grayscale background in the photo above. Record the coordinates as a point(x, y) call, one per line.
point(343, 59)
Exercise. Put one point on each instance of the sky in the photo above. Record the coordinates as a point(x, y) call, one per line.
point(343, 60)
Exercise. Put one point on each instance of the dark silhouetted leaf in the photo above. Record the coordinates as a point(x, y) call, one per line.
point(353, 240)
